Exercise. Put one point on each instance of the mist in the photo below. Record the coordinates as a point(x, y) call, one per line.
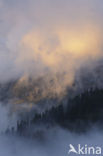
point(50, 51)
point(47, 39)
point(54, 142)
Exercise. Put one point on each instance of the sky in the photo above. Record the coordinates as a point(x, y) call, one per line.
point(49, 39)
point(37, 36)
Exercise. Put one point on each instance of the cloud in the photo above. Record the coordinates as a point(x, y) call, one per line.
point(52, 40)
point(55, 142)
point(46, 39)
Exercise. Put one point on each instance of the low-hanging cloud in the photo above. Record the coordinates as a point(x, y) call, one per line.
point(46, 39)
point(52, 40)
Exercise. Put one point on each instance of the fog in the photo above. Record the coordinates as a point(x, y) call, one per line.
point(55, 142)
point(61, 42)
point(49, 142)
point(44, 39)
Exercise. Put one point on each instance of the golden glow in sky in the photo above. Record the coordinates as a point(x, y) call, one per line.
point(52, 51)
